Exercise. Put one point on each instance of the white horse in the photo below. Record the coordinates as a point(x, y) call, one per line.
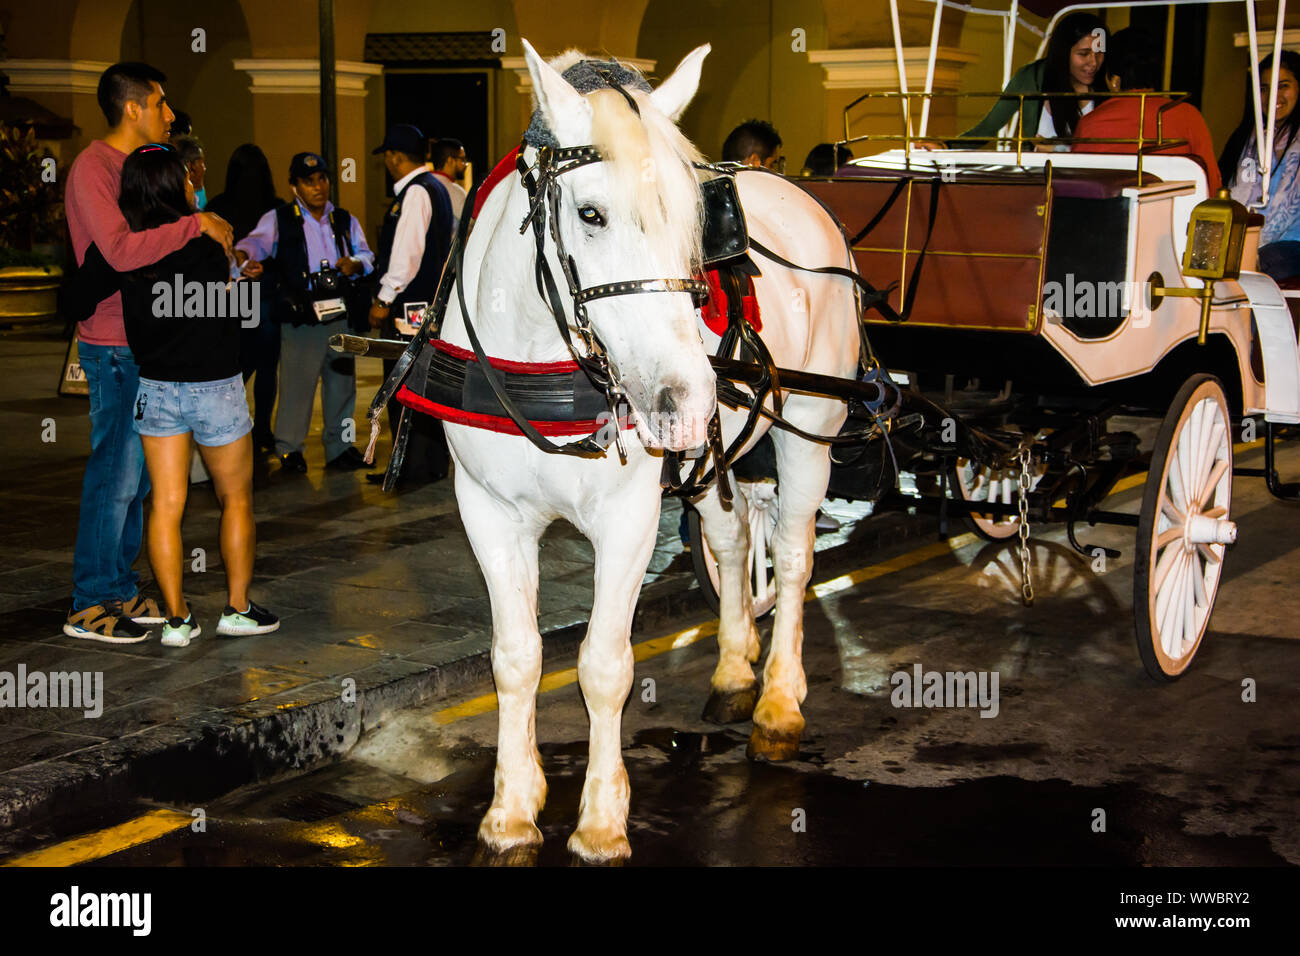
point(636, 215)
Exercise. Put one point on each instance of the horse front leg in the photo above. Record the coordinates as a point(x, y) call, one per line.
point(506, 549)
point(623, 538)
point(733, 689)
point(804, 471)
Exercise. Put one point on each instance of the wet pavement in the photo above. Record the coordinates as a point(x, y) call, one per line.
point(1185, 774)
point(381, 589)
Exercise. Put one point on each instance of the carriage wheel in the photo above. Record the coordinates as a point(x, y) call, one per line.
point(1184, 528)
point(975, 482)
point(761, 498)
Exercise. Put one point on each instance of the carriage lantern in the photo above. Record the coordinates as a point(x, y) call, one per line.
point(1216, 235)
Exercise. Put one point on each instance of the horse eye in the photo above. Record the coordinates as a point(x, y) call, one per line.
point(591, 215)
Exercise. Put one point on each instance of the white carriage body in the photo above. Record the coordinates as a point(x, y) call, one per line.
point(1158, 213)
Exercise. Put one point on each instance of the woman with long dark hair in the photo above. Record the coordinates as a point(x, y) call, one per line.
point(182, 324)
point(1279, 239)
point(1072, 64)
point(248, 194)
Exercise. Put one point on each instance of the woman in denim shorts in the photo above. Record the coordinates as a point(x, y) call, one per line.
point(182, 317)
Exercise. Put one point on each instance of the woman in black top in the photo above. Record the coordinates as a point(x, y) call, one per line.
point(250, 192)
point(182, 316)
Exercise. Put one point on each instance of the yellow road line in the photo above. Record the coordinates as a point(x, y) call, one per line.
point(645, 650)
point(556, 679)
point(102, 843)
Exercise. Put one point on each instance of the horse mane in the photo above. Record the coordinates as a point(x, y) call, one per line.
point(648, 161)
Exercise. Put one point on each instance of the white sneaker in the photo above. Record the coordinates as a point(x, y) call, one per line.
point(179, 633)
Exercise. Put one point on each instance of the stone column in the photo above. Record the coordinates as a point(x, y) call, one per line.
point(853, 72)
point(66, 87)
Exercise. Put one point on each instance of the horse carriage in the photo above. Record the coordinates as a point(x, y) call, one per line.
point(1039, 297)
point(582, 366)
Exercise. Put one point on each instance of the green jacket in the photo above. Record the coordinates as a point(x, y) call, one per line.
point(1028, 79)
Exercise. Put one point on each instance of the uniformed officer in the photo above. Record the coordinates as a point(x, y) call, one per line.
point(413, 244)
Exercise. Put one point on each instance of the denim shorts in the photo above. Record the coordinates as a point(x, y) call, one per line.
point(216, 412)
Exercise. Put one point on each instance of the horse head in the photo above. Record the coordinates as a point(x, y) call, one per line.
point(635, 215)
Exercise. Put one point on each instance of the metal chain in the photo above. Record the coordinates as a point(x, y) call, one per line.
point(1026, 574)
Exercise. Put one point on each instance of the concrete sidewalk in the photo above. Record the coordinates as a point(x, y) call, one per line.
point(382, 604)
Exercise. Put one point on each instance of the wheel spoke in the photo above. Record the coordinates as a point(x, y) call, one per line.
point(1172, 630)
point(1211, 484)
point(1209, 554)
point(1182, 453)
point(1176, 517)
point(1210, 471)
point(1198, 581)
point(1189, 608)
point(1164, 566)
point(1168, 537)
point(1166, 585)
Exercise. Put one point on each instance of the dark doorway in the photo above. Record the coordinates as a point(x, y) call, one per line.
point(443, 104)
point(1190, 22)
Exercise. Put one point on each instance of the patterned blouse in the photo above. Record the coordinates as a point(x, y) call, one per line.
point(1282, 216)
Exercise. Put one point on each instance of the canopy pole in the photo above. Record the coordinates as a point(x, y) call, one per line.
point(929, 67)
point(902, 74)
point(1267, 171)
point(1009, 40)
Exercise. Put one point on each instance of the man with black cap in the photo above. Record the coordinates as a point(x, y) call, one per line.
point(413, 244)
point(303, 241)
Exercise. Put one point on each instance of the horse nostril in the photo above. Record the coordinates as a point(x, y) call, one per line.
point(667, 401)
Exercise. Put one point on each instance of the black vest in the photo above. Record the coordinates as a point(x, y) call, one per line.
point(288, 295)
point(291, 242)
point(437, 241)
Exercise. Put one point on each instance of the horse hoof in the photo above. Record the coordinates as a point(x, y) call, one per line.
point(524, 854)
point(599, 849)
point(499, 834)
point(772, 745)
point(730, 706)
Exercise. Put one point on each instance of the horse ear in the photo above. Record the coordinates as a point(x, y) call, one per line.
point(559, 102)
point(674, 94)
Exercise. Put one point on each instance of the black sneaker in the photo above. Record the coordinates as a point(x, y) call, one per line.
point(255, 620)
point(293, 462)
point(350, 460)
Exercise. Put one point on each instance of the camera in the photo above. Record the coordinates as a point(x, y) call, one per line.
point(328, 283)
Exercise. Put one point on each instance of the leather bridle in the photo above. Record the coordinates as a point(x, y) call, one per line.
point(541, 182)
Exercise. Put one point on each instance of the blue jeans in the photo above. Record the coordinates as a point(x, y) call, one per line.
point(1280, 260)
point(113, 490)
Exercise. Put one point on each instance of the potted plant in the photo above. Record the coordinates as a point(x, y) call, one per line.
point(31, 213)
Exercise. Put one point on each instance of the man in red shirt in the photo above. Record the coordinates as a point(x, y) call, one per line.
point(1131, 68)
point(106, 603)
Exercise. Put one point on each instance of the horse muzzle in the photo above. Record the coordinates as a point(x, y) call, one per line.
point(679, 415)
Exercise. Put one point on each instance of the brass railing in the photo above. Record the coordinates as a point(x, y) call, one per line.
point(1145, 145)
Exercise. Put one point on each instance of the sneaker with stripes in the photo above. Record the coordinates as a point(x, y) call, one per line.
point(99, 623)
point(140, 609)
point(255, 620)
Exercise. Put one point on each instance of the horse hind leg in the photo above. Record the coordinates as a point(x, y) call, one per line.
point(778, 724)
point(733, 691)
point(507, 553)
